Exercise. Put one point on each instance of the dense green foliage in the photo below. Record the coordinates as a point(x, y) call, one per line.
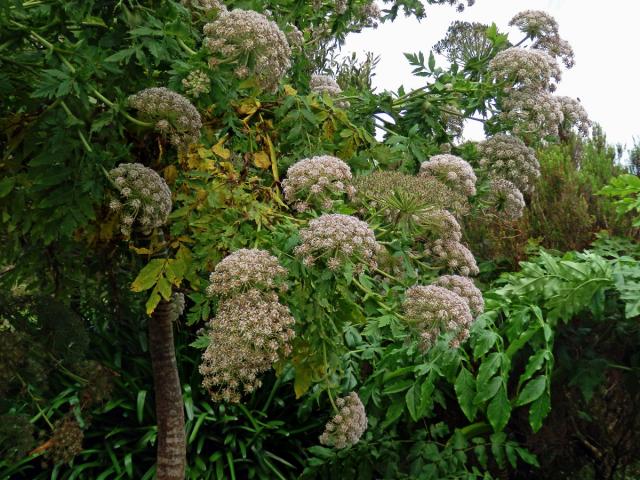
point(75, 378)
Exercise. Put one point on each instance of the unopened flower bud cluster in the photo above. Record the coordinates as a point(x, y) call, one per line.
point(250, 332)
point(317, 181)
point(466, 289)
point(197, 83)
point(174, 115)
point(432, 310)
point(575, 114)
point(453, 171)
point(337, 239)
point(246, 269)
point(295, 37)
point(145, 198)
point(452, 255)
point(506, 156)
point(245, 34)
point(326, 84)
point(506, 199)
point(348, 425)
point(543, 28)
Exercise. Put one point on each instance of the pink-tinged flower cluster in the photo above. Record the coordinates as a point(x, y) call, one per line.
point(432, 310)
point(246, 269)
point(507, 157)
point(575, 114)
point(174, 114)
point(254, 42)
point(451, 255)
point(325, 84)
point(543, 29)
point(317, 181)
point(451, 170)
point(347, 426)
point(505, 199)
point(250, 332)
point(466, 289)
point(525, 68)
point(338, 239)
point(530, 112)
point(145, 198)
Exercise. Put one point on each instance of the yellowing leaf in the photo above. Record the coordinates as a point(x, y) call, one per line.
point(148, 276)
point(170, 174)
point(261, 160)
point(219, 149)
point(302, 380)
point(153, 301)
point(141, 250)
point(249, 106)
point(290, 91)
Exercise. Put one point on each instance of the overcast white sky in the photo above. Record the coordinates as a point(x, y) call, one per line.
point(605, 35)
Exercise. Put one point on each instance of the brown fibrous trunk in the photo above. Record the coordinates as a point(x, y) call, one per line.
point(171, 453)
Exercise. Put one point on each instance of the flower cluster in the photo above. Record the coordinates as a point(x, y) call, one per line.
point(465, 288)
point(326, 84)
point(543, 28)
point(453, 255)
point(245, 34)
point(318, 181)
point(146, 198)
point(525, 68)
point(453, 120)
point(575, 114)
point(295, 37)
point(532, 112)
point(465, 41)
point(506, 199)
point(338, 238)
point(432, 310)
point(508, 157)
point(246, 269)
point(177, 305)
point(66, 441)
point(453, 171)
point(205, 5)
point(250, 332)
point(197, 83)
point(174, 115)
point(348, 425)
point(369, 15)
point(397, 194)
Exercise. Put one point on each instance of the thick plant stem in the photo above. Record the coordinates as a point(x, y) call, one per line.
point(171, 454)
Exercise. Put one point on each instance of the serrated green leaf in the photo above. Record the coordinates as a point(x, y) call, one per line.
point(532, 390)
point(465, 388)
point(538, 411)
point(499, 410)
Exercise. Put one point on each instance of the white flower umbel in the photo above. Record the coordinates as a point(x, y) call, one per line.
point(145, 201)
point(432, 310)
point(347, 426)
point(532, 112)
point(325, 84)
point(250, 332)
point(246, 269)
point(337, 239)
point(451, 170)
point(318, 181)
point(452, 255)
point(575, 114)
point(174, 114)
point(465, 288)
point(525, 68)
point(253, 41)
point(506, 200)
point(507, 156)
